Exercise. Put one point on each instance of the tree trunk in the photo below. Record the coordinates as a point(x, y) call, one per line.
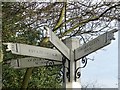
point(26, 78)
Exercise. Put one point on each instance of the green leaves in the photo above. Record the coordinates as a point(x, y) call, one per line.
point(19, 25)
point(45, 78)
point(12, 78)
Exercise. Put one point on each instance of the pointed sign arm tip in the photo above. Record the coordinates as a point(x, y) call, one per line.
point(114, 30)
point(112, 35)
point(8, 46)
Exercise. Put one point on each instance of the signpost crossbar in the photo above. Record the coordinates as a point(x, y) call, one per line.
point(94, 45)
point(61, 47)
point(35, 51)
point(28, 62)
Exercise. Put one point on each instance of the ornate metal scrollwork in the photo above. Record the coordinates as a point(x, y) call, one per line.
point(50, 63)
point(84, 61)
point(62, 73)
point(59, 76)
point(77, 70)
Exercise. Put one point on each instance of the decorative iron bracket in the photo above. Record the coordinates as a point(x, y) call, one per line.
point(64, 71)
point(77, 69)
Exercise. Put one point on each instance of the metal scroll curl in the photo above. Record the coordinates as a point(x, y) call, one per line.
point(77, 70)
point(57, 74)
point(49, 65)
point(62, 71)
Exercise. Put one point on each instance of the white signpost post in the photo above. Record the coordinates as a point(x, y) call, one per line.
point(69, 54)
point(28, 62)
point(72, 43)
point(35, 51)
point(94, 45)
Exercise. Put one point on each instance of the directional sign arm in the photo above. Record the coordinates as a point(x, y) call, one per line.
point(30, 62)
point(95, 44)
point(61, 47)
point(35, 51)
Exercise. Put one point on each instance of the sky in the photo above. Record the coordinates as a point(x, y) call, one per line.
point(103, 70)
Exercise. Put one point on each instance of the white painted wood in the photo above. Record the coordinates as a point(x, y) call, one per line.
point(35, 51)
point(31, 62)
point(58, 43)
point(95, 44)
point(72, 43)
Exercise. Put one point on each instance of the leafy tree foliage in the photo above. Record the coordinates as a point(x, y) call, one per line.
point(16, 29)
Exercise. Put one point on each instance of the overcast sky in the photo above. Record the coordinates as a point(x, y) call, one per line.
point(103, 71)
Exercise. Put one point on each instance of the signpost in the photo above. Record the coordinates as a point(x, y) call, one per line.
point(35, 51)
point(95, 44)
point(31, 62)
point(58, 43)
point(43, 55)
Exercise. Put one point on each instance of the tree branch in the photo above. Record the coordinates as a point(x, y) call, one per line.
point(88, 20)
